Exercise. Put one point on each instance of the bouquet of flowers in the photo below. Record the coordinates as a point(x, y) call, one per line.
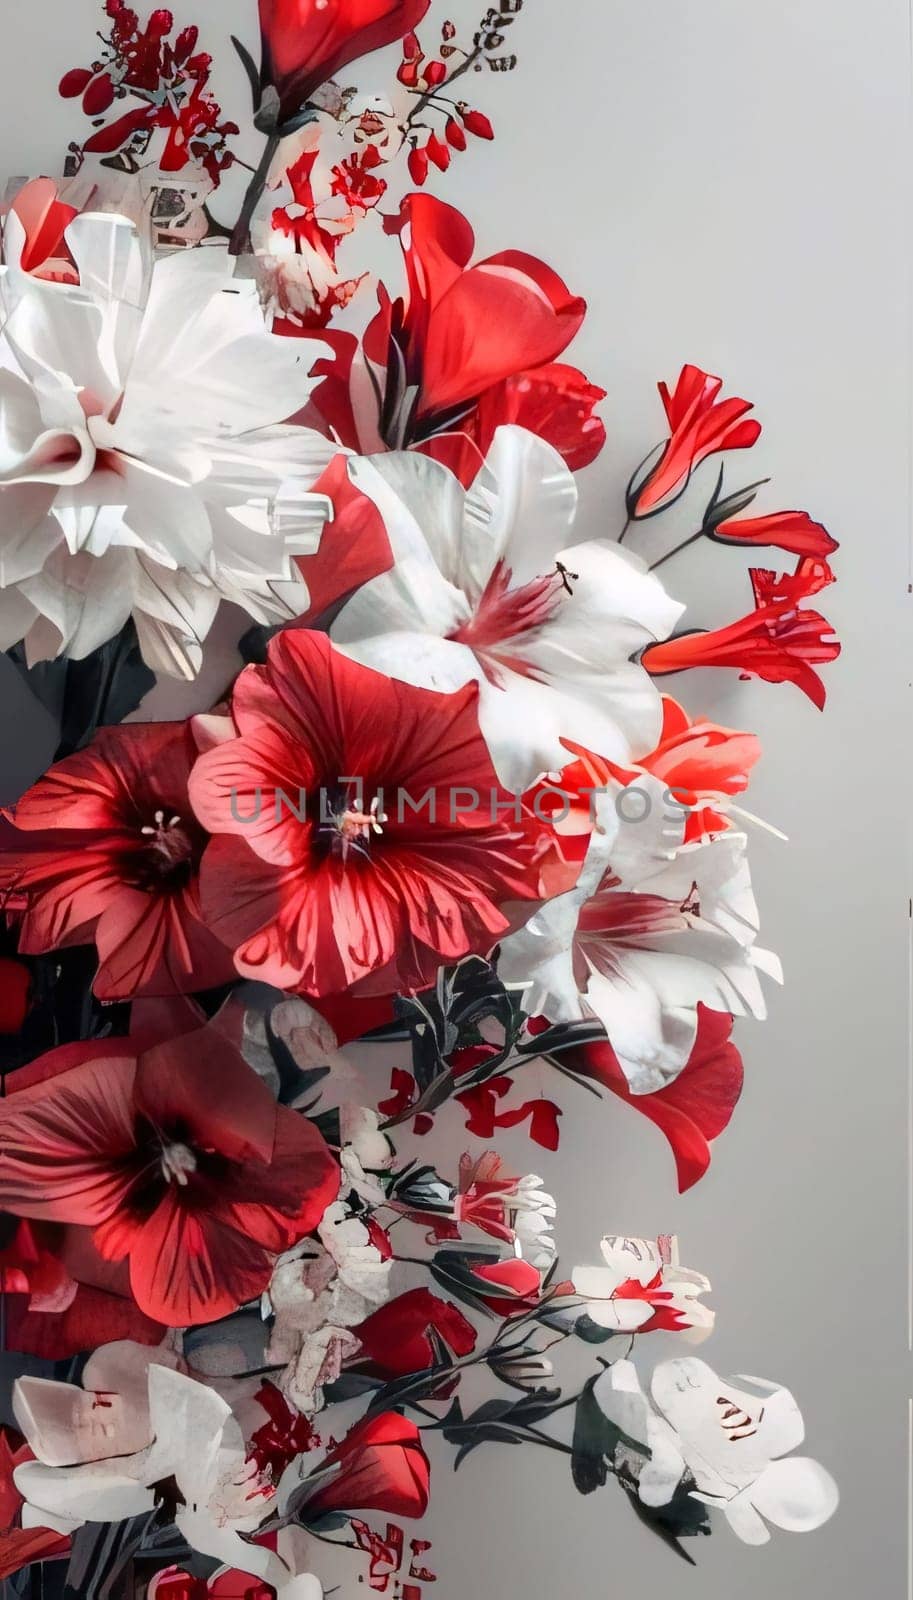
point(440, 850)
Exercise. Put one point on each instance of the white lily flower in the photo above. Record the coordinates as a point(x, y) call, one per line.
point(487, 589)
point(652, 929)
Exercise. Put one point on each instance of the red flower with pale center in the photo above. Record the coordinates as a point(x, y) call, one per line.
point(179, 1161)
point(779, 641)
point(701, 425)
point(306, 42)
point(360, 835)
point(106, 848)
point(397, 1339)
point(380, 1465)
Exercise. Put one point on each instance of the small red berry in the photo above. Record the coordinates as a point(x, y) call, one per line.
point(75, 82)
point(455, 134)
point(99, 95)
point(418, 165)
point(435, 73)
point(438, 152)
point(478, 123)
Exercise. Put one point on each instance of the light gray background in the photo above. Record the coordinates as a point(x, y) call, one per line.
point(727, 183)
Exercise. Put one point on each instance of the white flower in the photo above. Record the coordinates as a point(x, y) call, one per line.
point(642, 1286)
point(486, 589)
point(732, 1440)
point(652, 929)
point(197, 1441)
point(143, 467)
point(316, 1294)
point(533, 1213)
point(365, 1152)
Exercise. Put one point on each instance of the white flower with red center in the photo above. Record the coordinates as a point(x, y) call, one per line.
point(145, 467)
point(653, 928)
point(487, 588)
point(640, 1288)
point(731, 1439)
point(515, 1210)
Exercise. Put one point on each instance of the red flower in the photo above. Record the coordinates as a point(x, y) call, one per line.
point(509, 1288)
point(20, 1547)
point(556, 401)
point(484, 1117)
point(695, 1107)
point(306, 42)
point(778, 641)
point(177, 1159)
point(788, 530)
point(353, 547)
point(700, 763)
point(465, 328)
point(108, 850)
point(380, 1466)
point(701, 425)
point(359, 830)
point(397, 1338)
point(44, 219)
point(15, 993)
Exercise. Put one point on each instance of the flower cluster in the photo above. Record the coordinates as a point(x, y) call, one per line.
point(438, 852)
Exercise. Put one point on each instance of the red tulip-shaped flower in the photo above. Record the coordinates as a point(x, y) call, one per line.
point(467, 327)
point(306, 42)
point(701, 424)
point(379, 1466)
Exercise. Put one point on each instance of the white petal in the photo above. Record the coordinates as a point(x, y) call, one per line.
point(796, 1494)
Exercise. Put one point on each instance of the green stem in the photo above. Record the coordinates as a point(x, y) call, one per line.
point(692, 539)
point(240, 239)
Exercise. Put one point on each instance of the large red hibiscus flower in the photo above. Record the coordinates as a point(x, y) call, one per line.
point(360, 834)
point(177, 1159)
point(106, 848)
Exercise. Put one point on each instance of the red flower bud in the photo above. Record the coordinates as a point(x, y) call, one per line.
point(412, 50)
point(438, 152)
point(75, 82)
point(160, 23)
point(478, 123)
point(407, 73)
point(15, 986)
point(455, 134)
point(99, 95)
point(435, 73)
point(418, 165)
point(185, 44)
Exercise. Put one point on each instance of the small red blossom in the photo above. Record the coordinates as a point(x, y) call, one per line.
point(405, 1093)
point(397, 1339)
point(484, 1117)
point(107, 848)
point(509, 1288)
point(197, 1191)
point(779, 642)
point(701, 424)
point(342, 853)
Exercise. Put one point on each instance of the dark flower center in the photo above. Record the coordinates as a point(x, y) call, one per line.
point(346, 824)
point(168, 855)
